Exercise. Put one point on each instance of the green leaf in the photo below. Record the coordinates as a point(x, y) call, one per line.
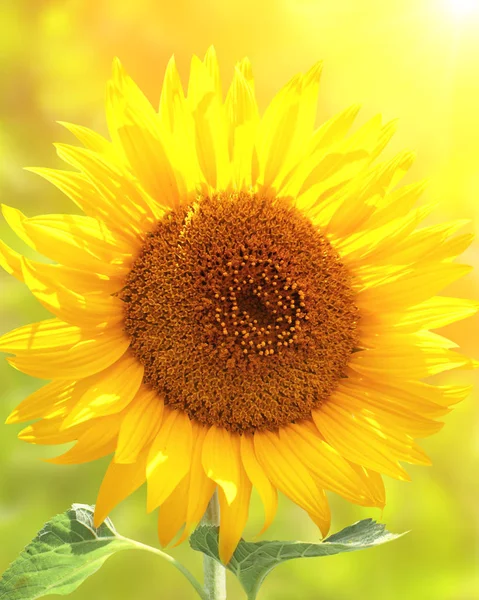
point(64, 553)
point(252, 562)
point(68, 550)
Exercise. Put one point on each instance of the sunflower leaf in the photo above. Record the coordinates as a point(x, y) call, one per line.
point(251, 562)
point(64, 553)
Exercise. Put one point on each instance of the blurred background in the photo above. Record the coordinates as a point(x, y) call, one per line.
point(413, 59)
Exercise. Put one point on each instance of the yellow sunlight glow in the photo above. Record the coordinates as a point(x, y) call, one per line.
point(463, 8)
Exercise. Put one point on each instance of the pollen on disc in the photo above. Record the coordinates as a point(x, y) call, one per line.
point(241, 312)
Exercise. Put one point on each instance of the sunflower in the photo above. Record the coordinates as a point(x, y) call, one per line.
point(247, 302)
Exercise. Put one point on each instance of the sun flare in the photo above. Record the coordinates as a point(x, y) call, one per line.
point(463, 8)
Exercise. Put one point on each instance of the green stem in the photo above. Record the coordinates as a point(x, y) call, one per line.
point(194, 582)
point(214, 573)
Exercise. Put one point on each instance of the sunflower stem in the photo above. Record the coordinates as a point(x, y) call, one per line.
point(194, 582)
point(214, 573)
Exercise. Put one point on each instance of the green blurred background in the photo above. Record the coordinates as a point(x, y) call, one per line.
point(417, 60)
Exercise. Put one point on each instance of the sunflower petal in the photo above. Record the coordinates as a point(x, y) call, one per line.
point(47, 399)
point(98, 440)
point(201, 487)
point(243, 117)
point(120, 201)
point(169, 458)
point(84, 310)
point(288, 473)
point(172, 513)
point(221, 461)
point(49, 351)
point(108, 392)
point(79, 242)
point(412, 358)
point(45, 335)
point(387, 409)
point(234, 514)
point(413, 286)
point(331, 471)
point(48, 432)
point(363, 441)
point(11, 261)
point(89, 138)
point(140, 425)
point(276, 131)
point(135, 127)
point(260, 481)
point(211, 132)
point(118, 483)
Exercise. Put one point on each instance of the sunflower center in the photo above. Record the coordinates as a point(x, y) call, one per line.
point(241, 312)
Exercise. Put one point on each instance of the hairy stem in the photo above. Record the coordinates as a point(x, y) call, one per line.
point(194, 582)
point(214, 573)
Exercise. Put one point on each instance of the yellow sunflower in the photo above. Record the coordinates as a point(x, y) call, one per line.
point(247, 303)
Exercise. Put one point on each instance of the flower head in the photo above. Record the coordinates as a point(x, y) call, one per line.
point(247, 302)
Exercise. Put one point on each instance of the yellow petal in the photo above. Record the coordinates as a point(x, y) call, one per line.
point(428, 400)
point(288, 473)
point(46, 400)
point(109, 391)
point(85, 195)
point(243, 117)
point(377, 242)
point(77, 281)
point(172, 513)
point(172, 95)
point(98, 440)
point(211, 63)
point(303, 129)
point(87, 311)
point(117, 199)
point(188, 502)
point(179, 129)
point(386, 409)
point(260, 481)
point(276, 131)
point(412, 357)
point(10, 261)
point(360, 204)
point(201, 487)
point(211, 131)
point(73, 359)
point(79, 242)
point(330, 469)
point(385, 135)
point(397, 203)
point(373, 482)
point(90, 139)
point(221, 461)
point(135, 128)
point(422, 244)
point(140, 425)
point(335, 129)
point(119, 482)
point(169, 458)
point(362, 442)
point(73, 279)
point(333, 174)
point(234, 515)
point(51, 334)
point(415, 285)
point(48, 432)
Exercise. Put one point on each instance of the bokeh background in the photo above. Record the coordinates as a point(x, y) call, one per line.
point(417, 60)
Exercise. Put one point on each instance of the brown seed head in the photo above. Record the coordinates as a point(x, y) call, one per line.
point(241, 312)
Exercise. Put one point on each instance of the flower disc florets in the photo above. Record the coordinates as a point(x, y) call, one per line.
point(241, 312)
